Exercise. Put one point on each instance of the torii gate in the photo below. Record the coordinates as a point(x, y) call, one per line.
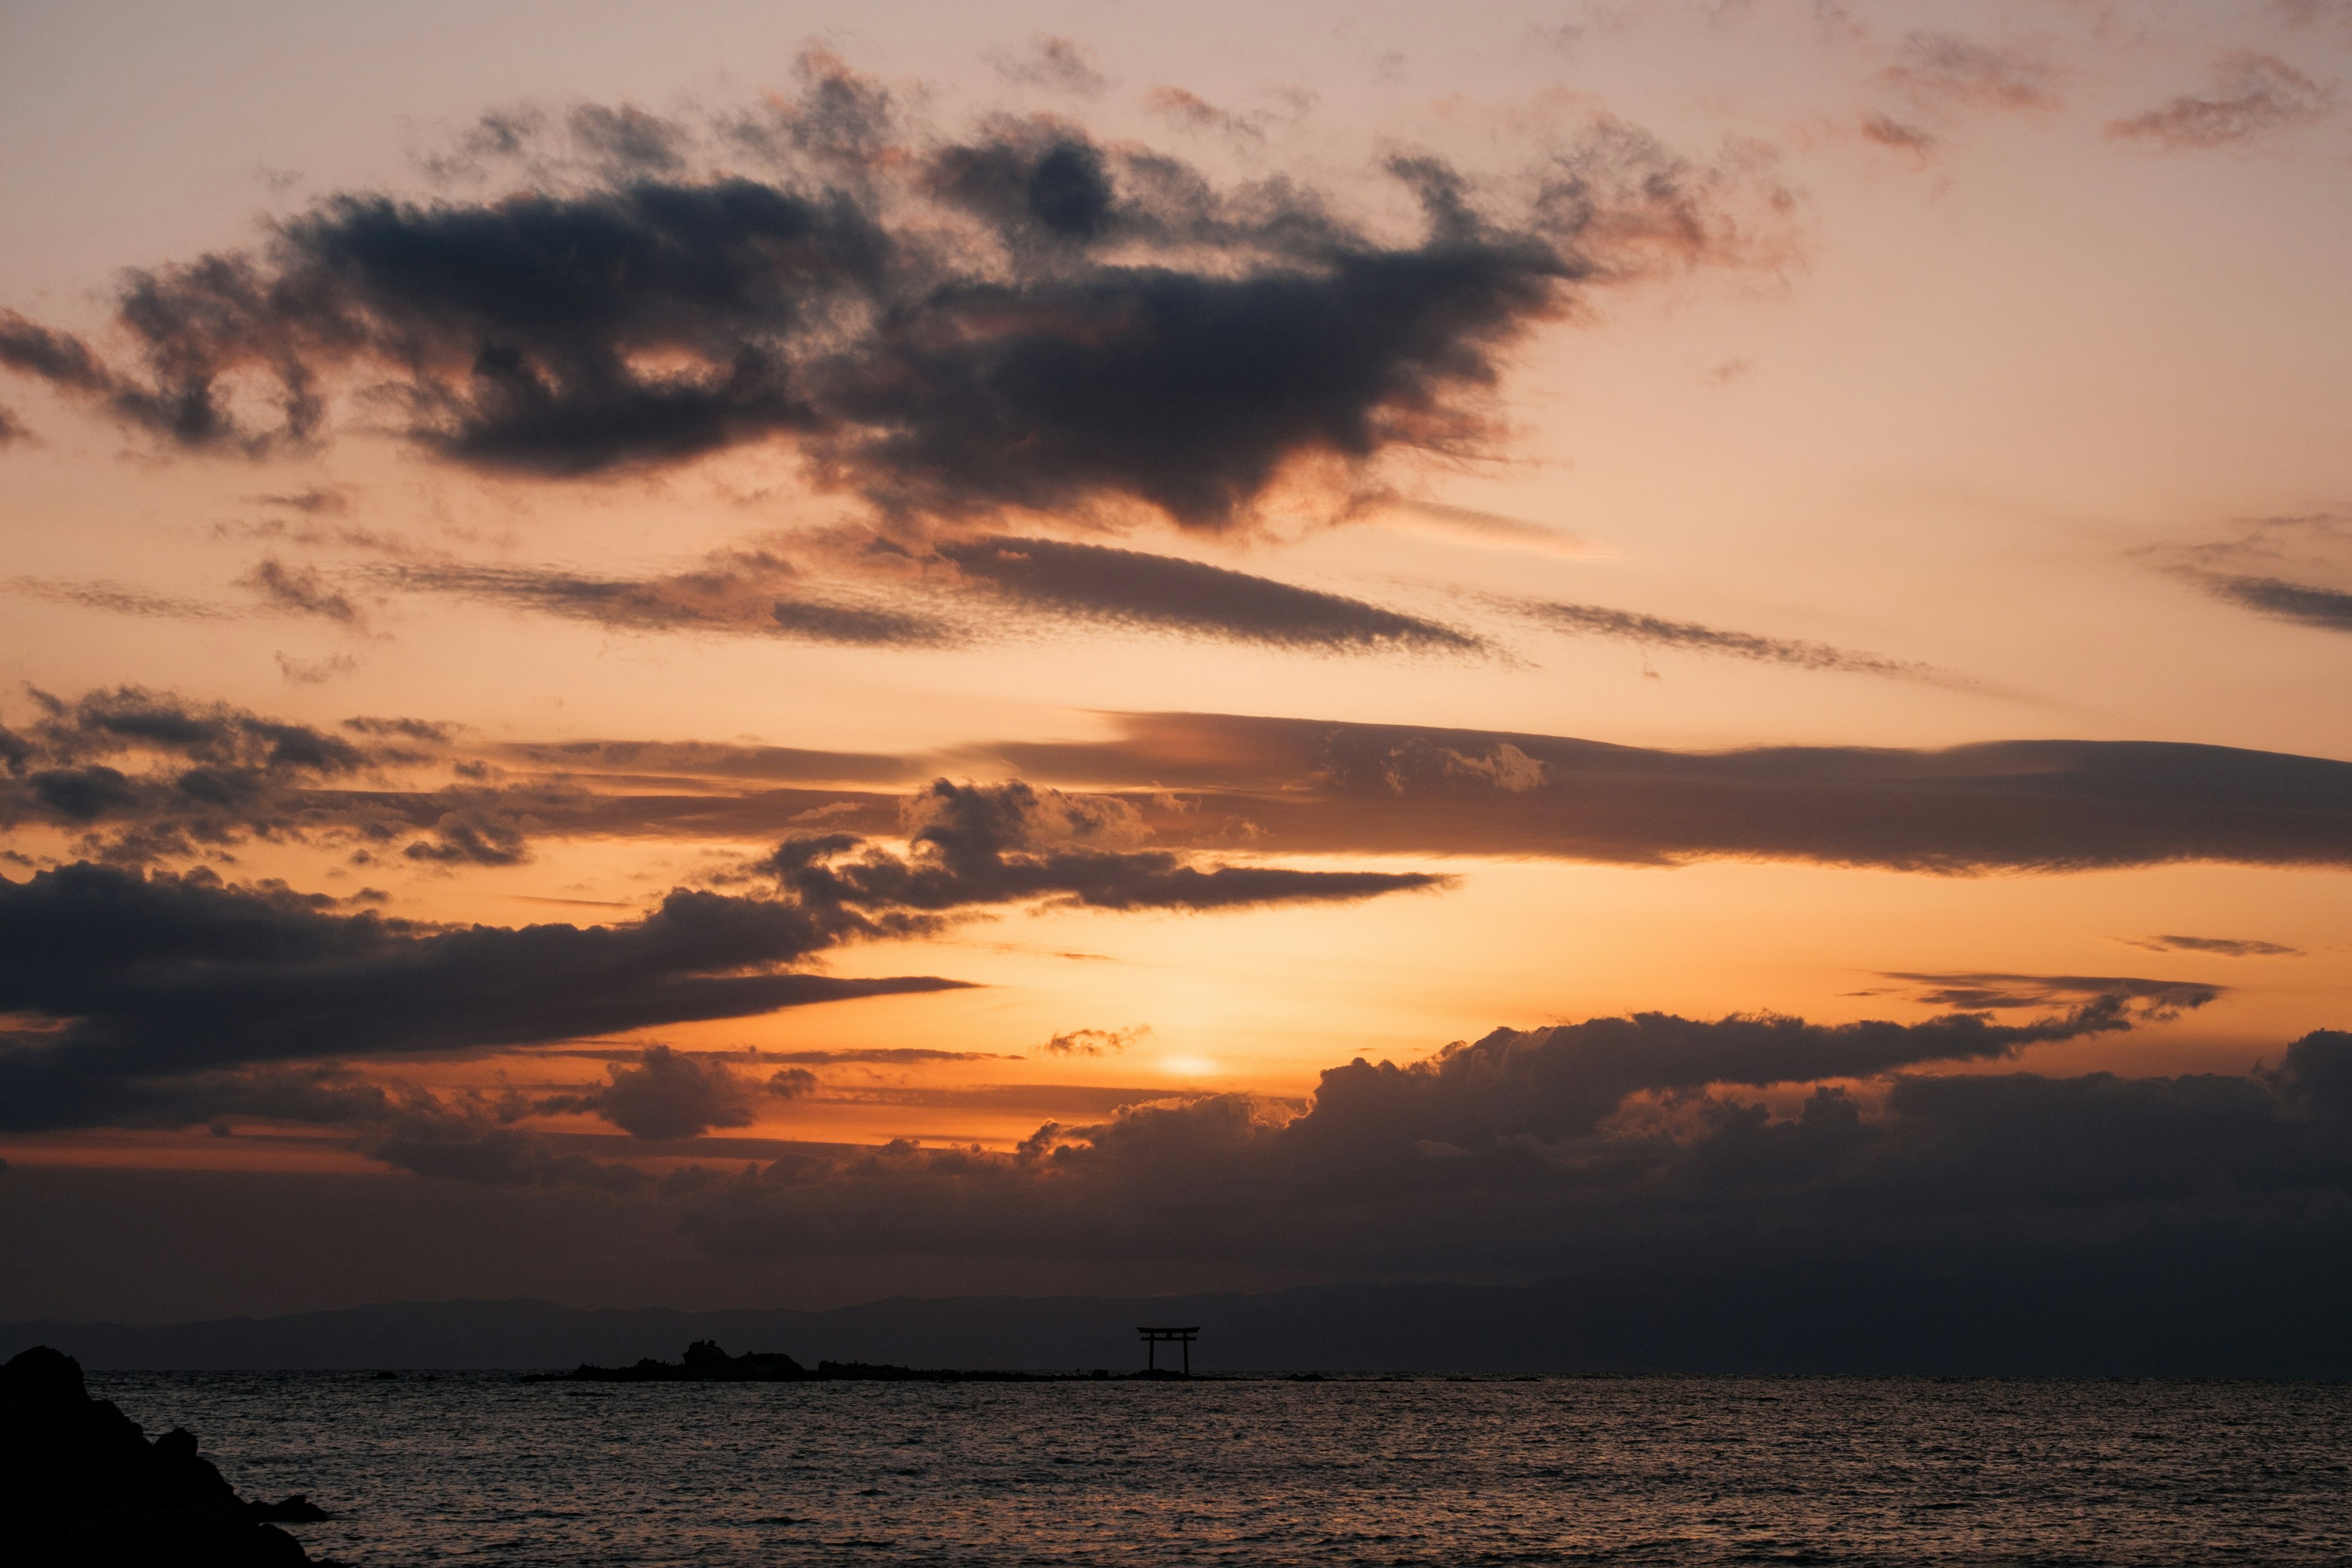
point(1154, 1338)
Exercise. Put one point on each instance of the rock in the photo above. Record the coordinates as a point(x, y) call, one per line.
point(295, 1509)
point(81, 1486)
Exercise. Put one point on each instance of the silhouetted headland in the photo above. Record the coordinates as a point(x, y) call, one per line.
point(705, 1361)
point(80, 1485)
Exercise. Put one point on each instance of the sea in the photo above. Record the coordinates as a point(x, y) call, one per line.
point(473, 1466)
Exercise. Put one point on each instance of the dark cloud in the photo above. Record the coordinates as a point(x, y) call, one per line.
point(755, 593)
point(1022, 319)
point(1594, 1144)
point(1094, 1042)
point(2226, 946)
point(979, 844)
point(462, 1138)
point(140, 982)
point(670, 1094)
point(301, 591)
point(1556, 1082)
point(1653, 631)
point(12, 428)
point(131, 988)
point(139, 775)
point(1301, 786)
point(2146, 1000)
point(740, 591)
point(2328, 609)
point(1127, 587)
point(107, 770)
point(473, 837)
point(627, 142)
point(2253, 96)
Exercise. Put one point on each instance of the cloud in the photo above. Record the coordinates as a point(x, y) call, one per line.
point(2225, 946)
point(115, 599)
point(755, 593)
point(1301, 786)
point(977, 844)
point(1622, 1142)
point(640, 760)
point(138, 775)
point(315, 672)
point(130, 988)
point(1095, 1042)
point(2253, 96)
point(11, 428)
point(1126, 587)
point(1494, 529)
point(670, 1095)
point(627, 142)
point(301, 591)
point(135, 777)
point(1020, 319)
point(1194, 112)
point(1939, 70)
point(745, 591)
point(465, 1139)
point(145, 980)
point(1889, 132)
point(1653, 631)
point(1057, 65)
point(2148, 1001)
point(2327, 609)
point(318, 500)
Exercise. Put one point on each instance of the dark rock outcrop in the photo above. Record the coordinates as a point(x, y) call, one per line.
point(81, 1486)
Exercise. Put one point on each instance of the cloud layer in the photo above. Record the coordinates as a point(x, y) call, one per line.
point(139, 777)
point(146, 995)
point(2044, 806)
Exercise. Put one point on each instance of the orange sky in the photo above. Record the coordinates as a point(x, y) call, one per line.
point(2005, 355)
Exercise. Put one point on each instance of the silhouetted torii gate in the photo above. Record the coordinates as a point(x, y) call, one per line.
point(1154, 1338)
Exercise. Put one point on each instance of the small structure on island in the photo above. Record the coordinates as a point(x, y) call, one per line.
point(1154, 1338)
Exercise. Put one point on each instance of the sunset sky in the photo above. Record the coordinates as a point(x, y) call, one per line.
point(728, 653)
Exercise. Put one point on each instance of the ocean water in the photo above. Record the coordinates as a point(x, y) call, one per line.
point(479, 1467)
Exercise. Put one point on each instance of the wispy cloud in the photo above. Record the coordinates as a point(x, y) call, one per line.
point(2253, 96)
point(1131, 588)
point(2223, 946)
point(1095, 1042)
point(116, 599)
point(2328, 609)
point(1656, 631)
point(301, 591)
point(741, 592)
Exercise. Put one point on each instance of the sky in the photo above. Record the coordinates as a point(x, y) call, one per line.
point(736, 654)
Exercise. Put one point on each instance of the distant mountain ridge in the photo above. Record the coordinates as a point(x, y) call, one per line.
point(2155, 1320)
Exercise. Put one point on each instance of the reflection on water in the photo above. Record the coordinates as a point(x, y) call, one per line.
point(1664, 1471)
